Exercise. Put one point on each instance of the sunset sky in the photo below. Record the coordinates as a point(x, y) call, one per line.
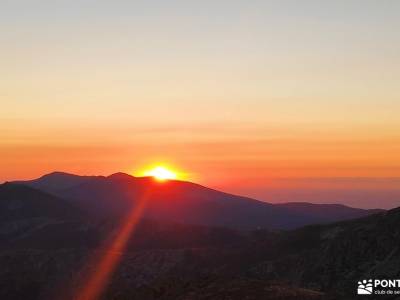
point(243, 96)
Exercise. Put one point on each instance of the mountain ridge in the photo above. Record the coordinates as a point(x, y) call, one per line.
point(186, 202)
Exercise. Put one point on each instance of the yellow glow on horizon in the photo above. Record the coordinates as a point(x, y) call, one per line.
point(161, 173)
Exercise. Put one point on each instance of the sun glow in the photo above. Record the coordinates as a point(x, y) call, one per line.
point(161, 173)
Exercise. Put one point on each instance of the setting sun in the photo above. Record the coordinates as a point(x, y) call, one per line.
point(161, 173)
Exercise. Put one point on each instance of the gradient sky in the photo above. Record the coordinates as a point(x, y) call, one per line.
point(244, 96)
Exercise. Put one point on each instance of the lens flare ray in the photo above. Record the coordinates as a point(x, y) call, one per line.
point(104, 264)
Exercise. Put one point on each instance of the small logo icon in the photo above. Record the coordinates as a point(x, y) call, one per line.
point(365, 287)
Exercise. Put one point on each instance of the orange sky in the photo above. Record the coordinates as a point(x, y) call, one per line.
point(239, 97)
point(214, 154)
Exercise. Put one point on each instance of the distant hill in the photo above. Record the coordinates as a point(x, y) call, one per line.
point(185, 202)
point(329, 212)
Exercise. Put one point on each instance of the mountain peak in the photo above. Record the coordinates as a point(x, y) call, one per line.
point(54, 181)
point(59, 174)
point(120, 175)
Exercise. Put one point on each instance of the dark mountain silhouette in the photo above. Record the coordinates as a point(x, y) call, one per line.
point(45, 242)
point(18, 202)
point(56, 181)
point(185, 202)
point(34, 219)
point(329, 212)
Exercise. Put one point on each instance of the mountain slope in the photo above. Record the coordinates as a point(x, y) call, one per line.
point(34, 219)
point(23, 202)
point(185, 202)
